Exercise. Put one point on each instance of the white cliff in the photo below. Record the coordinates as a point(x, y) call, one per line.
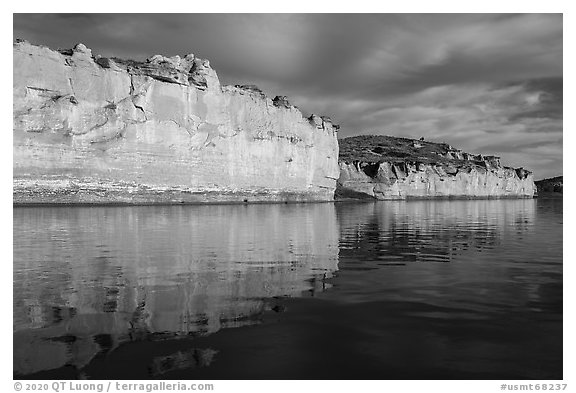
point(387, 168)
point(97, 130)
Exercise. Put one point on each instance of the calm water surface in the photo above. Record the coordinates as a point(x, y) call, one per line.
point(384, 290)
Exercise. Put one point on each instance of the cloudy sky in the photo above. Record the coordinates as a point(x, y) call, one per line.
point(487, 84)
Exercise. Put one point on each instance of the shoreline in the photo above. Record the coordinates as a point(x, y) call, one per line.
point(233, 203)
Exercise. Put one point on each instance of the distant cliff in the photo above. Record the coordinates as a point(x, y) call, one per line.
point(553, 184)
point(384, 167)
point(100, 130)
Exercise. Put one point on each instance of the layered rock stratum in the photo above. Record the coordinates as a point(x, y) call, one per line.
point(89, 129)
point(384, 167)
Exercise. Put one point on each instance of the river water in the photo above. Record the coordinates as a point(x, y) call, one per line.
point(378, 290)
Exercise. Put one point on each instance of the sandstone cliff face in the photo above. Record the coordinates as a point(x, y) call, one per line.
point(398, 168)
point(97, 130)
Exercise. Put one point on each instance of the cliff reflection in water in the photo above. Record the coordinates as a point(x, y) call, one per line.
point(417, 289)
point(454, 289)
point(463, 254)
point(88, 279)
point(430, 231)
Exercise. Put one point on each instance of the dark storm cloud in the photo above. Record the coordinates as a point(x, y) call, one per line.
point(550, 97)
point(479, 82)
